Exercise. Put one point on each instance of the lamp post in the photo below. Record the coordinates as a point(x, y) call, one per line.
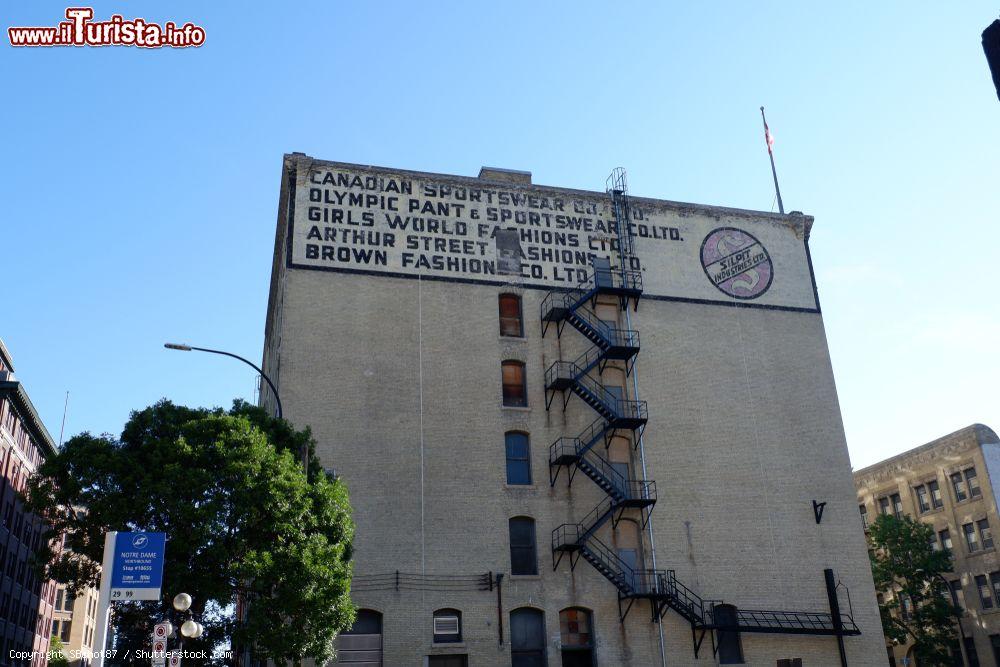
point(958, 619)
point(187, 348)
point(189, 628)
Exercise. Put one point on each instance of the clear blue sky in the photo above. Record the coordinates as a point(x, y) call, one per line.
point(140, 188)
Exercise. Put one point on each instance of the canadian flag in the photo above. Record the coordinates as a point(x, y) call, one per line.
point(768, 138)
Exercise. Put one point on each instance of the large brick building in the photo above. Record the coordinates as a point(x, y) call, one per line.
point(951, 484)
point(26, 602)
point(569, 441)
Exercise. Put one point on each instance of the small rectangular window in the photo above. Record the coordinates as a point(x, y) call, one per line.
point(864, 516)
point(905, 607)
point(985, 534)
point(945, 536)
point(883, 505)
point(923, 498)
point(511, 321)
point(972, 483)
point(897, 505)
point(955, 586)
point(985, 594)
point(971, 539)
point(958, 485)
point(935, 490)
point(995, 584)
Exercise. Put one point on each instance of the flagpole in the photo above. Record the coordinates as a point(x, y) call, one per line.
point(770, 154)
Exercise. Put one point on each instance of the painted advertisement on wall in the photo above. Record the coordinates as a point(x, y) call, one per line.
point(404, 224)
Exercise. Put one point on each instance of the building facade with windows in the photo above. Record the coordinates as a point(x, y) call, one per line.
point(578, 428)
point(74, 621)
point(950, 484)
point(26, 602)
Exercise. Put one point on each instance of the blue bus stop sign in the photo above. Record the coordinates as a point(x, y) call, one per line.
point(137, 571)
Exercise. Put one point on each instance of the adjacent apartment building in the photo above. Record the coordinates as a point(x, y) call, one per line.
point(578, 427)
point(74, 621)
point(951, 484)
point(26, 602)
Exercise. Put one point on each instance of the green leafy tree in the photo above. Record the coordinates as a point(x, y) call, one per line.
point(243, 522)
point(907, 568)
point(57, 658)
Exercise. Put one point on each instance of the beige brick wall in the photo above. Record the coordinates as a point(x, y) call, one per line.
point(400, 381)
point(970, 447)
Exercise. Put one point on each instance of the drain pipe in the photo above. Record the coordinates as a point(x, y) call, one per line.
point(642, 460)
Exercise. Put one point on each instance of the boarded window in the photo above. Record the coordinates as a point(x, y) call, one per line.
point(576, 637)
point(515, 389)
point(511, 322)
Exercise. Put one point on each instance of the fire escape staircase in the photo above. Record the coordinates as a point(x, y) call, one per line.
point(660, 587)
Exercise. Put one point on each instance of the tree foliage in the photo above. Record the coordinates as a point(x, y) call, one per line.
point(907, 568)
point(57, 657)
point(241, 518)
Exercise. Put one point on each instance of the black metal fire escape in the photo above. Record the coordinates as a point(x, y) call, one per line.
point(616, 414)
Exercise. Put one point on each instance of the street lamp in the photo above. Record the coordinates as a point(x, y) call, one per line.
point(187, 348)
point(189, 628)
point(958, 618)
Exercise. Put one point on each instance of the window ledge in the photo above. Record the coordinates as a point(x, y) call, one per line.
point(981, 552)
point(526, 577)
point(438, 646)
point(516, 408)
point(513, 339)
point(520, 487)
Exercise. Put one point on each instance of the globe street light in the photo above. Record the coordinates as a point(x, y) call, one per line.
point(182, 602)
point(192, 629)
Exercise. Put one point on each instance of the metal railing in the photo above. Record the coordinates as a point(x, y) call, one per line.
point(618, 407)
point(790, 622)
point(596, 517)
point(611, 335)
point(618, 280)
point(612, 279)
point(682, 599)
point(624, 488)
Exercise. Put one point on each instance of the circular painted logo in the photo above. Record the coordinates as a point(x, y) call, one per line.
point(140, 541)
point(736, 263)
